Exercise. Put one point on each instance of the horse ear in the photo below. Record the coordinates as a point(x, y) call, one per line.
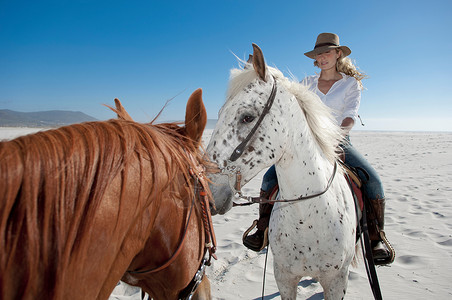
point(248, 62)
point(195, 117)
point(121, 111)
point(259, 62)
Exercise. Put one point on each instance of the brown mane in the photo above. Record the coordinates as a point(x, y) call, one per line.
point(52, 182)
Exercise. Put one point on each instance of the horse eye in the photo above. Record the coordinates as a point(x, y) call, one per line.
point(247, 119)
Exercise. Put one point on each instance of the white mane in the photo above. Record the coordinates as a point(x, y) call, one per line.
point(319, 118)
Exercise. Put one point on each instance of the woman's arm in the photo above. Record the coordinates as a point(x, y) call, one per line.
point(347, 125)
point(351, 105)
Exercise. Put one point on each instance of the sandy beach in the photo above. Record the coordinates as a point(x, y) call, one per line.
point(416, 170)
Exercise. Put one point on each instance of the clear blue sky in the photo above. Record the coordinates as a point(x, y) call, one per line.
point(78, 55)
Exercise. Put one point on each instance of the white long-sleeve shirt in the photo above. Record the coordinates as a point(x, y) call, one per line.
point(343, 97)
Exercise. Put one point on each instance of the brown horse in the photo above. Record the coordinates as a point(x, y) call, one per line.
point(86, 205)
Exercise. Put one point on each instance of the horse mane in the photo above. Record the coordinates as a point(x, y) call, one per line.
point(52, 182)
point(320, 120)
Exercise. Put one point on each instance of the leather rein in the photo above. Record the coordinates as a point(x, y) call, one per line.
point(210, 239)
point(260, 200)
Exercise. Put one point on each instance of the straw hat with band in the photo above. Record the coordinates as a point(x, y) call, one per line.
point(326, 41)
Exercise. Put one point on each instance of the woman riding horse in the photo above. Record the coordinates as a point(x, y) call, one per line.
point(339, 86)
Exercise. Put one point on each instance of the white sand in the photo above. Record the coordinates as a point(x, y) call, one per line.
point(416, 170)
point(8, 133)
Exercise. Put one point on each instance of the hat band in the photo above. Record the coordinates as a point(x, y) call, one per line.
point(325, 44)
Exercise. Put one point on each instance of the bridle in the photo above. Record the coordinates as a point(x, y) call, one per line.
point(200, 192)
point(238, 151)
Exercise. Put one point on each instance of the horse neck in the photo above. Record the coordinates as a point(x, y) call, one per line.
point(303, 169)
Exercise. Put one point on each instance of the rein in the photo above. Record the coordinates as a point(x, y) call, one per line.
point(260, 200)
point(210, 243)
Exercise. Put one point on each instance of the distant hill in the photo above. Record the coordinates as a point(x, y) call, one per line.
point(52, 118)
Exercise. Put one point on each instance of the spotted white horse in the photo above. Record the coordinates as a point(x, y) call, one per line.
point(268, 119)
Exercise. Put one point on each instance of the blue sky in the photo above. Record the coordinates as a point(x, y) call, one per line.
point(78, 55)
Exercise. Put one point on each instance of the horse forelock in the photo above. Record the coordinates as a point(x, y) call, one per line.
point(320, 120)
point(53, 182)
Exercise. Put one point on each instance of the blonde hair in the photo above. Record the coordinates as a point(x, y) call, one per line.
point(346, 66)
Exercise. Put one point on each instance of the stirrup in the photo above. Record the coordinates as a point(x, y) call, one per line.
point(386, 260)
point(246, 233)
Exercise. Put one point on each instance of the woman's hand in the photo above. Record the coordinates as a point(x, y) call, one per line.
point(347, 125)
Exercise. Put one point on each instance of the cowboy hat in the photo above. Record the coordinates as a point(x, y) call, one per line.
point(326, 41)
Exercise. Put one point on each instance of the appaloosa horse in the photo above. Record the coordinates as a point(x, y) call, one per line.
point(86, 205)
point(268, 119)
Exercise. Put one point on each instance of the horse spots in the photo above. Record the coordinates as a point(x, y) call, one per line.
point(250, 148)
point(225, 143)
point(261, 139)
point(272, 156)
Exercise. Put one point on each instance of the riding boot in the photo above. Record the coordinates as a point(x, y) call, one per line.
point(259, 240)
point(380, 251)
